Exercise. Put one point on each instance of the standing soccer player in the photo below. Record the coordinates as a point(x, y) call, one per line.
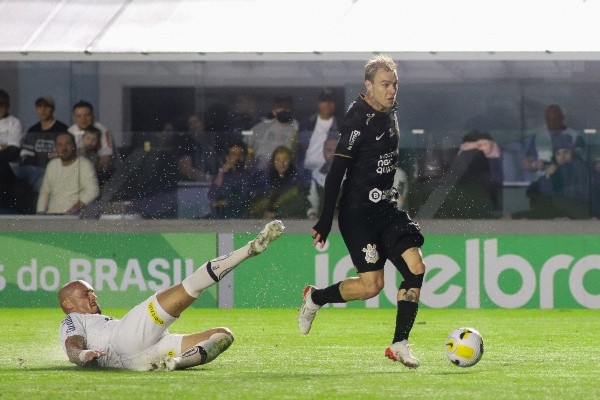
point(373, 228)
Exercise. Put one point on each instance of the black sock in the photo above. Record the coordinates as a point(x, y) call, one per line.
point(330, 294)
point(405, 318)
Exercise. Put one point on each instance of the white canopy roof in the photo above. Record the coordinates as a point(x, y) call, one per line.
point(304, 29)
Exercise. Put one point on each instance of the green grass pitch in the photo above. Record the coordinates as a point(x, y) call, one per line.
point(529, 354)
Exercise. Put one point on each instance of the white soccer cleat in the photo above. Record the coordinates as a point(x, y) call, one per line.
point(270, 232)
point(171, 363)
point(400, 352)
point(308, 310)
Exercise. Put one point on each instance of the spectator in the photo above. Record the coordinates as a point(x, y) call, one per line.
point(286, 195)
point(90, 145)
point(540, 149)
point(475, 179)
point(564, 188)
point(152, 186)
point(11, 131)
point(69, 182)
point(595, 192)
point(317, 184)
point(196, 152)
point(280, 130)
point(314, 131)
point(244, 116)
point(83, 118)
point(236, 185)
point(38, 143)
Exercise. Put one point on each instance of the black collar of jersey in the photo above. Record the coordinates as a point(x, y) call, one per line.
point(365, 107)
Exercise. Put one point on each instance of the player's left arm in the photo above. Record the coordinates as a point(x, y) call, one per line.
point(78, 354)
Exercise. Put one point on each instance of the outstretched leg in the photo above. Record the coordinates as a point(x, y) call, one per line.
point(178, 297)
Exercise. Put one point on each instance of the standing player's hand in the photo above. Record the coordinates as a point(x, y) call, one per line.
point(317, 239)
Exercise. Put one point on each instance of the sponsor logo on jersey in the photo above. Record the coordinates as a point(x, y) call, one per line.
point(68, 322)
point(385, 164)
point(375, 195)
point(353, 136)
point(379, 136)
point(154, 314)
point(371, 254)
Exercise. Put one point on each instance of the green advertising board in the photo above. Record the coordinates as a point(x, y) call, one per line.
point(123, 268)
point(463, 271)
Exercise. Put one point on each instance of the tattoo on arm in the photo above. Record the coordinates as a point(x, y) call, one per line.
point(75, 344)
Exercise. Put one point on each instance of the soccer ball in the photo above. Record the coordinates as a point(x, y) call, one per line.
point(464, 347)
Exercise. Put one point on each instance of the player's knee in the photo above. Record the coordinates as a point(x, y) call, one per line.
point(418, 268)
point(224, 330)
point(371, 289)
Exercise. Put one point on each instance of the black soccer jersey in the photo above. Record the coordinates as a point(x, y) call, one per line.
point(370, 139)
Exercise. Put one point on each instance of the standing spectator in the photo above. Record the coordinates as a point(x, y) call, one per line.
point(235, 186)
point(317, 183)
point(69, 183)
point(38, 143)
point(83, 118)
point(314, 131)
point(286, 194)
point(11, 131)
point(280, 130)
point(540, 149)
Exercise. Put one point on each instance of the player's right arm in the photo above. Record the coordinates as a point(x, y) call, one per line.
point(333, 181)
point(78, 354)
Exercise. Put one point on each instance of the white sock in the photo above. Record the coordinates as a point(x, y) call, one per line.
point(213, 271)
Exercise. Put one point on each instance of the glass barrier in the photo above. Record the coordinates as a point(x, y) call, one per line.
point(172, 175)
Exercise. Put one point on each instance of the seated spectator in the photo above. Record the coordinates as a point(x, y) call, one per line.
point(540, 148)
point(152, 185)
point(90, 144)
point(236, 185)
point(280, 130)
point(286, 195)
point(196, 152)
point(317, 184)
point(476, 178)
point(83, 118)
point(563, 190)
point(38, 143)
point(69, 182)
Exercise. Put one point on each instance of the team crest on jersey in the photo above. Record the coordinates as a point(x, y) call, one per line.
point(353, 136)
point(371, 254)
point(369, 117)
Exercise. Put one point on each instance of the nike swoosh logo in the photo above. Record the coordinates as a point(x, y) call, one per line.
point(379, 136)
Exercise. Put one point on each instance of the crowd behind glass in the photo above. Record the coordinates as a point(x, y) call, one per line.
point(246, 165)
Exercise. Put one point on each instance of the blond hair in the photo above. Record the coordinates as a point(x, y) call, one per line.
point(377, 62)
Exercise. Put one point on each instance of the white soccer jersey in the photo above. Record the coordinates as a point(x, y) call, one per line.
point(96, 330)
point(135, 342)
